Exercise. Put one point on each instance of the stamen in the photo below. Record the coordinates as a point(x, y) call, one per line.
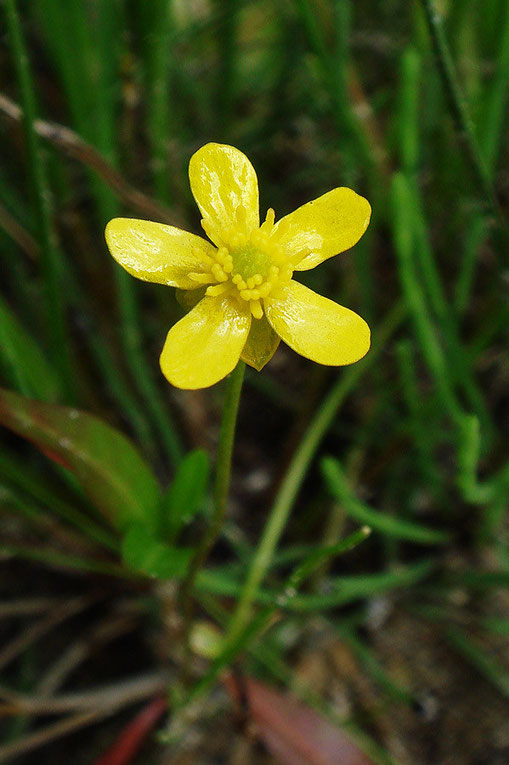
point(251, 261)
point(218, 272)
point(221, 255)
point(269, 220)
point(254, 280)
point(212, 231)
point(256, 309)
point(217, 289)
point(265, 289)
point(241, 216)
point(239, 281)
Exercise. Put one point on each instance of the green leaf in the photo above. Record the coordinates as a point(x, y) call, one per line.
point(106, 464)
point(23, 360)
point(186, 493)
point(398, 528)
point(142, 552)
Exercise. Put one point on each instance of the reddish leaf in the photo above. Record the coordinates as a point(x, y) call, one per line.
point(293, 732)
point(131, 739)
point(107, 465)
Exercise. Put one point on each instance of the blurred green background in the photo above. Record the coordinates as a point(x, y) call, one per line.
point(405, 102)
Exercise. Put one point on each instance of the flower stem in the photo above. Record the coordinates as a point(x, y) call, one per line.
point(294, 477)
point(221, 489)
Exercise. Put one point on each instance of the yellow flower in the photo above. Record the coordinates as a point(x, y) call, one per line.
point(240, 289)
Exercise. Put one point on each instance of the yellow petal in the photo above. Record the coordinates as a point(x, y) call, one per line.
point(322, 228)
point(158, 253)
point(225, 187)
point(261, 344)
point(206, 344)
point(316, 327)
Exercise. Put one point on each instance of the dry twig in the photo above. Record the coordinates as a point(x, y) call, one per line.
point(74, 146)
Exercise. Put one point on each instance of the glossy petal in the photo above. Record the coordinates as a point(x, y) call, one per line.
point(316, 327)
point(225, 187)
point(206, 344)
point(322, 228)
point(261, 344)
point(158, 253)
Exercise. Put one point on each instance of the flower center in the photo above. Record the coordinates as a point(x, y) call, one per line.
point(250, 268)
point(249, 261)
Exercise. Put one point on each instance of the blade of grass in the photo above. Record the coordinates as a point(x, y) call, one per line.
point(408, 134)
point(51, 265)
point(457, 104)
point(74, 44)
point(404, 242)
point(157, 21)
point(381, 522)
point(32, 374)
point(335, 78)
point(486, 665)
point(371, 665)
point(490, 135)
point(421, 430)
point(345, 590)
point(27, 481)
point(226, 26)
point(57, 559)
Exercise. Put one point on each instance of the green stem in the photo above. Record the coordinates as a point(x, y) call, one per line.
point(457, 103)
point(295, 475)
point(51, 264)
point(221, 488)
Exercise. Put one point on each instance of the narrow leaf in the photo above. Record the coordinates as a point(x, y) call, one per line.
point(399, 528)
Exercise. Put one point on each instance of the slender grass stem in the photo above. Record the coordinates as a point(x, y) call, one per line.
point(457, 104)
point(158, 23)
point(50, 262)
point(227, 11)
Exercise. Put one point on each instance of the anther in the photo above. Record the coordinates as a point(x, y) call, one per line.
point(218, 272)
point(221, 255)
point(239, 281)
point(211, 231)
point(217, 289)
point(256, 309)
point(269, 220)
point(254, 280)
